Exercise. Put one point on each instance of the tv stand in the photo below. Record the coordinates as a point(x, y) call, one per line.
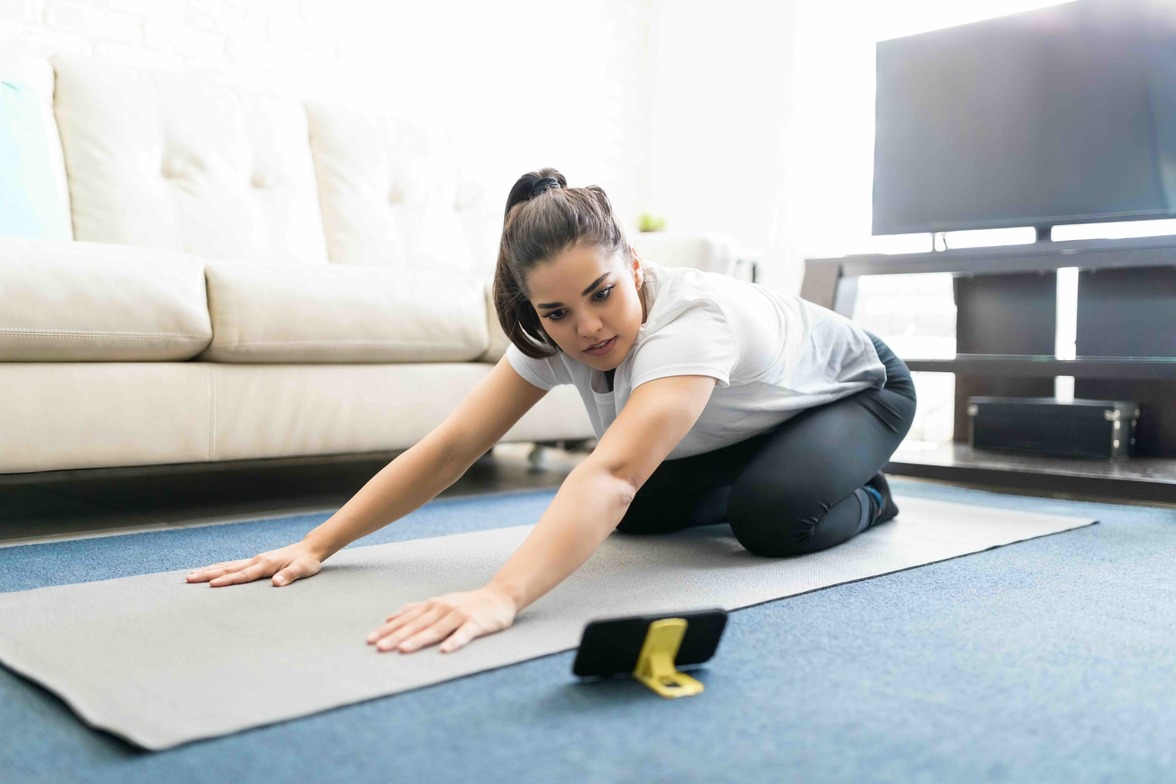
point(1006, 312)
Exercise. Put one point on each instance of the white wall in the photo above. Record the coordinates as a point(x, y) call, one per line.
point(721, 115)
point(520, 84)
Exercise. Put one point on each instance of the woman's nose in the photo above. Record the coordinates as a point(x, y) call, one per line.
point(589, 326)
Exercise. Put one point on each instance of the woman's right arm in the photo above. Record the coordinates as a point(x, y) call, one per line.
point(412, 479)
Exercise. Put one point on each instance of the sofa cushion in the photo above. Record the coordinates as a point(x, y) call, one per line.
point(90, 302)
point(166, 160)
point(64, 415)
point(395, 194)
point(61, 416)
point(337, 313)
point(286, 410)
point(498, 339)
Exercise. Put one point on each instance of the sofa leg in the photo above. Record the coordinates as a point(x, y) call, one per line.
point(537, 458)
point(584, 445)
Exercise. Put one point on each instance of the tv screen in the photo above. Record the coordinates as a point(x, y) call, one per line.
point(1065, 114)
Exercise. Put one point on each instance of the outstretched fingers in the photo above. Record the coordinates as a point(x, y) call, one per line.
point(434, 632)
point(216, 570)
point(410, 622)
point(248, 574)
point(455, 618)
point(460, 638)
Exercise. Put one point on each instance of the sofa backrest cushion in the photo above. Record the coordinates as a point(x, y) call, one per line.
point(175, 161)
point(93, 302)
point(339, 313)
point(34, 200)
point(394, 193)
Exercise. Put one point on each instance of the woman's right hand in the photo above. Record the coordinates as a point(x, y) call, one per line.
point(286, 564)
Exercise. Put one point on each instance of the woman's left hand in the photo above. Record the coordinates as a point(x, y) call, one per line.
point(455, 618)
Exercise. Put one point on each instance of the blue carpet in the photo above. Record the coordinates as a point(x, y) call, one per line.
point(1047, 660)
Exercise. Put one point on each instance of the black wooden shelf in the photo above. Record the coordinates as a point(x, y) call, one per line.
point(1031, 366)
point(1006, 328)
point(1134, 253)
point(1135, 478)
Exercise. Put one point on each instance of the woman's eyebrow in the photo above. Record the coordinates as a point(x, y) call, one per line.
point(583, 293)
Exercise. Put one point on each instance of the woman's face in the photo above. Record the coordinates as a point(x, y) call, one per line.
point(585, 297)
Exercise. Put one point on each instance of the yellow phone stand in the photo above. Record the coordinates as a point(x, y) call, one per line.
point(655, 664)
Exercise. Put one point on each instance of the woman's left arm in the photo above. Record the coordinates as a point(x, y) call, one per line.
point(590, 504)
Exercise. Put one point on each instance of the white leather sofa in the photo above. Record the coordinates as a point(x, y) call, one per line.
point(248, 276)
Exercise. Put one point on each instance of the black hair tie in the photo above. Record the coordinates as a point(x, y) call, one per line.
point(542, 185)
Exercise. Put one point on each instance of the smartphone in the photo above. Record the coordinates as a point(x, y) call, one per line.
point(610, 646)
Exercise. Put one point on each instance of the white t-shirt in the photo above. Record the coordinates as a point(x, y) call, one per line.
point(774, 355)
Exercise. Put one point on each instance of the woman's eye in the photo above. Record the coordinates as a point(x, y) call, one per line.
point(599, 296)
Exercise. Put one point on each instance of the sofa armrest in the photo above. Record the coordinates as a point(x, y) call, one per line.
point(710, 252)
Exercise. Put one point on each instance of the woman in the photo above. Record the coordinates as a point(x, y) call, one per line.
point(713, 399)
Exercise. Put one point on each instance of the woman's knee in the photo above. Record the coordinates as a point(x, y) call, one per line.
point(800, 526)
point(776, 541)
point(785, 531)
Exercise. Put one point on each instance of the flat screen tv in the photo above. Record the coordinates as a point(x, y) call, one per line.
point(1065, 114)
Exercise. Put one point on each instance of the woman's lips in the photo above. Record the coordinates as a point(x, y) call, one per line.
point(603, 349)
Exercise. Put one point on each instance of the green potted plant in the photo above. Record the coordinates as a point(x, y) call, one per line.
point(650, 222)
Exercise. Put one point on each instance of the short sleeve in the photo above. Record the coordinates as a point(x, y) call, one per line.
point(699, 341)
point(543, 373)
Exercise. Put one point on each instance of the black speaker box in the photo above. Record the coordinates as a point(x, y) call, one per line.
point(1090, 429)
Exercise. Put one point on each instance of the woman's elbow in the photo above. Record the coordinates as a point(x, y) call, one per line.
point(620, 483)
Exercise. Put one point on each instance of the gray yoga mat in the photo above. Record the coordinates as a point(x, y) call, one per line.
point(161, 662)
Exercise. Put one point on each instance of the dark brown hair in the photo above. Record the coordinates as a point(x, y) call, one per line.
point(539, 224)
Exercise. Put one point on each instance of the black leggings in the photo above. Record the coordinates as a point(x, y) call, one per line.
point(793, 489)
